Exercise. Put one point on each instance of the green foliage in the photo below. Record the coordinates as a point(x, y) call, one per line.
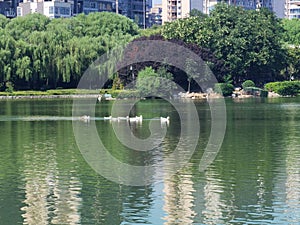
point(292, 31)
point(249, 41)
point(224, 89)
point(292, 63)
point(184, 29)
point(197, 13)
point(155, 83)
point(284, 88)
point(51, 92)
point(22, 27)
point(3, 21)
point(154, 30)
point(121, 94)
point(117, 84)
point(248, 83)
point(128, 94)
point(9, 87)
point(36, 52)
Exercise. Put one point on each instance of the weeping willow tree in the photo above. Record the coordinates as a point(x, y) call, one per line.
point(36, 52)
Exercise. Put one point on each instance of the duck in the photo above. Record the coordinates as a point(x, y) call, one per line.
point(136, 119)
point(123, 118)
point(165, 119)
point(99, 98)
point(114, 119)
point(85, 118)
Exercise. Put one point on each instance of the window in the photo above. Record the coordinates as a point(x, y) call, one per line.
point(93, 5)
point(109, 7)
point(64, 11)
point(51, 10)
point(19, 11)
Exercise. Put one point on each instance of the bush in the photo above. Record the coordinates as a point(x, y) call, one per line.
point(284, 88)
point(128, 94)
point(9, 87)
point(248, 83)
point(151, 83)
point(224, 88)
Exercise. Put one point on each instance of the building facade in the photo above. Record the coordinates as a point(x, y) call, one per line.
point(64, 8)
point(292, 9)
point(136, 10)
point(155, 15)
point(51, 9)
point(178, 9)
point(8, 8)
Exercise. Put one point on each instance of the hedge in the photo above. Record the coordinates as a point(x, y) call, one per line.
point(248, 83)
point(284, 88)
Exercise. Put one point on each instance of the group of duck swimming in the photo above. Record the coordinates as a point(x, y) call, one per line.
point(137, 119)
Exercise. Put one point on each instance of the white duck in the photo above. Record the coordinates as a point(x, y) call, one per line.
point(123, 118)
point(136, 119)
point(85, 118)
point(165, 119)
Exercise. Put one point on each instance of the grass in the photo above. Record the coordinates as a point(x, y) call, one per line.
point(114, 93)
point(50, 92)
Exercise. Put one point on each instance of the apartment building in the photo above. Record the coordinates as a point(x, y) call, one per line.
point(282, 8)
point(177, 9)
point(51, 9)
point(246, 4)
point(155, 15)
point(292, 9)
point(64, 8)
point(136, 10)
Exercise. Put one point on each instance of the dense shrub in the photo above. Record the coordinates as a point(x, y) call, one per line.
point(284, 88)
point(224, 88)
point(248, 83)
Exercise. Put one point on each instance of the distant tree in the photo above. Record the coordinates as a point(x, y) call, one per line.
point(22, 27)
point(197, 13)
point(155, 83)
point(36, 52)
point(180, 77)
point(154, 30)
point(248, 41)
point(183, 29)
point(291, 33)
point(292, 69)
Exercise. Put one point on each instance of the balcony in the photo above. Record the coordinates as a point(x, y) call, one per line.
point(10, 14)
point(295, 3)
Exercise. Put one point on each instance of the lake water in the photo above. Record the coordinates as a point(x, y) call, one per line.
point(255, 178)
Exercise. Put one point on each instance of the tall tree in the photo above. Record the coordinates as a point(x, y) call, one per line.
point(247, 40)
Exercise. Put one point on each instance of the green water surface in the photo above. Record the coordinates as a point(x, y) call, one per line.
point(255, 179)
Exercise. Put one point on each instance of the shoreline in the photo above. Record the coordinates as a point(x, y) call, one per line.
point(48, 96)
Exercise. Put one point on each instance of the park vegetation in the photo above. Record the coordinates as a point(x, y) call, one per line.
point(39, 53)
point(241, 47)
